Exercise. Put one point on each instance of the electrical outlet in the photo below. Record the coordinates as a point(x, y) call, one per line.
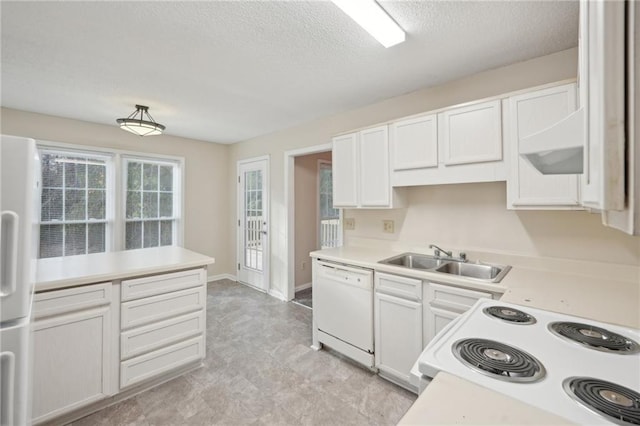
point(387, 226)
point(349, 224)
point(304, 265)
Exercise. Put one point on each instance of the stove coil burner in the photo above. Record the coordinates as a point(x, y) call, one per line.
point(498, 360)
point(594, 337)
point(514, 316)
point(616, 403)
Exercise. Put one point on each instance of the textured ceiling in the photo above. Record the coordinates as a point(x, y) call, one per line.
point(227, 71)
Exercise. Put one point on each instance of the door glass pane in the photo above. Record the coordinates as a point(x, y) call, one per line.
point(253, 220)
point(329, 217)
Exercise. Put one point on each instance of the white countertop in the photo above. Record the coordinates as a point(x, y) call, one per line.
point(451, 400)
point(602, 292)
point(581, 289)
point(369, 257)
point(70, 271)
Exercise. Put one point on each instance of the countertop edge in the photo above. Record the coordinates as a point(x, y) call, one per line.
point(79, 270)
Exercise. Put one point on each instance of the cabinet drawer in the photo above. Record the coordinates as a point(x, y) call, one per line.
point(71, 299)
point(150, 309)
point(153, 336)
point(152, 364)
point(159, 284)
point(458, 299)
point(407, 288)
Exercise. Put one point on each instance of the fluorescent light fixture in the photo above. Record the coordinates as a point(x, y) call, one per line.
point(370, 16)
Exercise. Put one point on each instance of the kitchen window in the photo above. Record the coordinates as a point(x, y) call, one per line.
point(73, 215)
point(150, 203)
point(87, 206)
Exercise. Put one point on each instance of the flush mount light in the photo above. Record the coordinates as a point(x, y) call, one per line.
point(141, 123)
point(370, 16)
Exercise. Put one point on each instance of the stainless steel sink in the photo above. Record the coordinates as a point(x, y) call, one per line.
point(414, 261)
point(478, 271)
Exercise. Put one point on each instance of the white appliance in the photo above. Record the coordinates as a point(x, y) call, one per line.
point(343, 309)
point(530, 355)
point(19, 203)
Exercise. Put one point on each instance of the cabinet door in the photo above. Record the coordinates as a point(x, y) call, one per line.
point(345, 171)
point(531, 113)
point(375, 189)
point(472, 134)
point(398, 325)
point(70, 361)
point(414, 143)
point(436, 320)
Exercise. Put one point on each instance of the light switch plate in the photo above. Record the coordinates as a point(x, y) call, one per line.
point(387, 226)
point(349, 224)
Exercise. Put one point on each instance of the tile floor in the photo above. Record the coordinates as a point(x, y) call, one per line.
point(304, 297)
point(260, 370)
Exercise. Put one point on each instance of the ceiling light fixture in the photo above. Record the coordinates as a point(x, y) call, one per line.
point(138, 125)
point(370, 16)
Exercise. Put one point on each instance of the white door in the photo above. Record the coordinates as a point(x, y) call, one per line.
point(375, 190)
point(253, 218)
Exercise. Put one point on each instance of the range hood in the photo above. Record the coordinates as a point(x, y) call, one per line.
point(558, 149)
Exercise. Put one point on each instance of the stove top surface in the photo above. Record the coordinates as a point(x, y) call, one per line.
point(533, 362)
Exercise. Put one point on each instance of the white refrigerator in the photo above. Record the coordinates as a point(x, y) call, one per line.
point(20, 205)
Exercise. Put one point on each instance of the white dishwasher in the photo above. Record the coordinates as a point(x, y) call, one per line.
point(343, 309)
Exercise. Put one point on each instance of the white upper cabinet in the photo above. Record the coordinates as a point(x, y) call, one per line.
point(345, 173)
point(472, 134)
point(414, 143)
point(361, 170)
point(374, 167)
point(456, 145)
point(530, 113)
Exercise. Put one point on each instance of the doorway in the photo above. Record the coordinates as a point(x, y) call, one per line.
point(253, 220)
point(315, 222)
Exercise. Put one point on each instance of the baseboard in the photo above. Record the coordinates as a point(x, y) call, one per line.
point(277, 294)
point(222, 277)
point(303, 286)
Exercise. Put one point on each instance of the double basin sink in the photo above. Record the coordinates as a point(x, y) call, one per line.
point(479, 271)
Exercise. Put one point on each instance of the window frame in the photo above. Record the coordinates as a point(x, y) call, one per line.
point(116, 188)
point(178, 191)
point(326, 164)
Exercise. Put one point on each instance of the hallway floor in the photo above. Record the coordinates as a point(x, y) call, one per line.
point(304, 297)
point(260, 370)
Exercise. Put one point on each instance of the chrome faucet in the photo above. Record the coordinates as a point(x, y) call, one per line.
point(449, 254)
point(439, 250)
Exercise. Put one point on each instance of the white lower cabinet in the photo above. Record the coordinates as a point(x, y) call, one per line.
point(72, 337)
point(444, 303)
point(398, 326)
point(93, 341)
point(162, 327)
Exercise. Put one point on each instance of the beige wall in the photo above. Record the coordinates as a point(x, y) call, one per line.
point(207, 208)
point(473, 217)
point(306, 213)
point(526, 232)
